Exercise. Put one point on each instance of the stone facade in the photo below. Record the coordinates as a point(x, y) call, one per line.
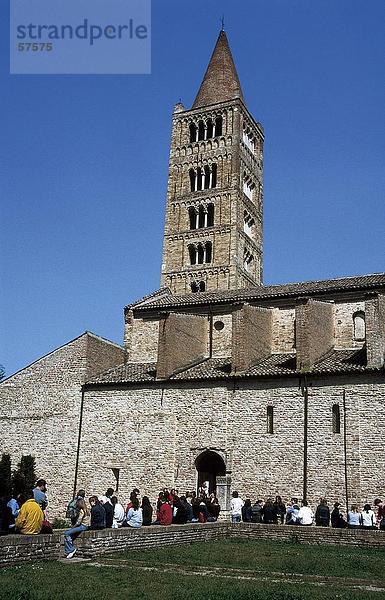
point(263, 389)
point(40, 410)
point(214, 194)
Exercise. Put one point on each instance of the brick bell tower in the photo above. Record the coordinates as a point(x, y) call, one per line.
point(213, 226)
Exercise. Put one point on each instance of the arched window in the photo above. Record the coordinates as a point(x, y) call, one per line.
point(248, 224)
point(248, 139)
point(201, 131)
point(208, 252)
point(193, 132)
point(248, 186)
point(202, 286)
point(359, 326)
point(199, 179)
point(192, 176)
point(213, 176)
point(247, 260)
point(336, 418)
point(201, 254)
point(210, 215)
point(210, 129)
point(192, 217)
point(202, 214)
point(194, 287)
point(193, 254)
point(207, 177)
point(218, 126)
point(270, 419)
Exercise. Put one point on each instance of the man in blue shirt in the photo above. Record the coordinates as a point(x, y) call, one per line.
point(39, 493)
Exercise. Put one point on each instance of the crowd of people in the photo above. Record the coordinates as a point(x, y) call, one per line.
point(27, 514)
point(275, 512)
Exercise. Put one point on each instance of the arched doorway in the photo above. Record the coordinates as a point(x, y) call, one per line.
point(209, 465)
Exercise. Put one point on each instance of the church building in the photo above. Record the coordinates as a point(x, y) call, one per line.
point(275, 389)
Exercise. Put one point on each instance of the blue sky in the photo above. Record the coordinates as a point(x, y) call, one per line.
point(83, 161)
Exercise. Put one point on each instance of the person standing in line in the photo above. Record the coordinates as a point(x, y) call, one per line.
point(98, 514)
point(146, 511)
point(292, 512)
point(72, 511)
point(354, 517)
point(380, 513)
point(39, 493)
point(30, 517)
point(280, 509)
point(119, 514)
point(305, 514)
point(109, 510)
point(82, 524)
point(134, 516)
point(337, 517)
point(269, 513)
point(256, 512)
point(236, 508)
point(368, 518)
point(246, 511)
point(322, 514)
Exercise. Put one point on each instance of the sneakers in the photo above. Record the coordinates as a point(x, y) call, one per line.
point(70, 555)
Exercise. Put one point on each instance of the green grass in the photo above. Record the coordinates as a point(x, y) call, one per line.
point(69, 580)
point(268, 556)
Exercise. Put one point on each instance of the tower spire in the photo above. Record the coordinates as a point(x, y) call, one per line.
point(221, 82)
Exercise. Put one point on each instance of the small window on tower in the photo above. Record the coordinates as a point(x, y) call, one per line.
point(210, 215)
point(193, 180)
point(247, 260)
point(201, 131)
point(336, 419)
point(270, 419)
point(193, 132)
point(218, 126)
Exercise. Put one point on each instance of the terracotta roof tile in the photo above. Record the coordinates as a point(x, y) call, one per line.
point(276, 365)
point(310, 288)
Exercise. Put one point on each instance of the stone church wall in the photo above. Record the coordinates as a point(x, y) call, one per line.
point(40, 408)
point(154, 434)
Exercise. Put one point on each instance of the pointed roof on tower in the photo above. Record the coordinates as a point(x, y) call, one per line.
point(221, 82)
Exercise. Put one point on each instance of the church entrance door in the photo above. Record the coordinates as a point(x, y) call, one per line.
point(209, 465)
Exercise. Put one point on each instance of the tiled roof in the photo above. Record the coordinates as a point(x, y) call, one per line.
point(306, 288)
point(276, 365)
point(221, 82)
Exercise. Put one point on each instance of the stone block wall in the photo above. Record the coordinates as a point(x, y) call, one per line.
point(314, 327)
point(141, 339)
point(40, 410)
point(157, 433)
point(183, 340)
point(252, 336)
point(20, 549)
point(375, 331)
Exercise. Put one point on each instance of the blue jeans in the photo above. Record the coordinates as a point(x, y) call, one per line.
point(70, 535)
point(235, 518)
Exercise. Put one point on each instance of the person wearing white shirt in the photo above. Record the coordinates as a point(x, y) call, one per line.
point(236, 508)
point(305, 515)
point(368, 518)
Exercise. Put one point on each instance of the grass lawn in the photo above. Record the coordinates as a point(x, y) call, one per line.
point(239, 569)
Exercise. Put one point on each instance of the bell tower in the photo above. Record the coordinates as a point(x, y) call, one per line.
point(213, 226)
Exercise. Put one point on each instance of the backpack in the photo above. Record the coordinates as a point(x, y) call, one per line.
point(73, 510)
point(323, 514)
point(256, 513)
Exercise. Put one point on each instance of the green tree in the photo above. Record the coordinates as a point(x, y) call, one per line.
point(24, 476)
point(5, 475)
